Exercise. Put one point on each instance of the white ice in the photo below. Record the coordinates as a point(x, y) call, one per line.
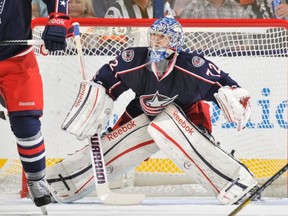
point(150, 206)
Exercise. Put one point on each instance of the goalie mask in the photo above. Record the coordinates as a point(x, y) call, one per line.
point(165, 37)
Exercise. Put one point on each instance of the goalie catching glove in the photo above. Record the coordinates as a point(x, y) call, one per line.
point(90, 111)
point(58, 28)
point(235, 105)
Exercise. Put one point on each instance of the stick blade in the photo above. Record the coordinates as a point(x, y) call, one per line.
point(108, 197)
point(122, 199)
point(44, 210)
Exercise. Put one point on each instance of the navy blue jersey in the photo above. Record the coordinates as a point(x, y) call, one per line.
point(15, 21)
point(193, 78)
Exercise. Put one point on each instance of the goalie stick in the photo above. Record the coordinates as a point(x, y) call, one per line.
point(259, 190)
point(100, 176)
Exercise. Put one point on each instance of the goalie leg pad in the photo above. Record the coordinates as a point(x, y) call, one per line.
point(72, 178)
point(197, 156)
point(127, 146)
point(123, 149)
point(91, 110)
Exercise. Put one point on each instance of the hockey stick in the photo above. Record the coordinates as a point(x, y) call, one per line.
point(31, 42)
point(259, 190)
point(100, 176)
point(21, 42)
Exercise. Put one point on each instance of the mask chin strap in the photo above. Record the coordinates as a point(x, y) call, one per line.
point(160, 67)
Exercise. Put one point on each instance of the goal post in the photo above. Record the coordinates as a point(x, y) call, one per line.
point(253, 51)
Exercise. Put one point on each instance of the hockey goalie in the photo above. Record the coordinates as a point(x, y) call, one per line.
point(169, 113)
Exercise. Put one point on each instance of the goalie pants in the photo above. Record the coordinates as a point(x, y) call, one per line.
point(22, 90)
point(198, 113)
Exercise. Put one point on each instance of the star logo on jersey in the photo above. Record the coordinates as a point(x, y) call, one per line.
point(63, 3)
point(154, 104)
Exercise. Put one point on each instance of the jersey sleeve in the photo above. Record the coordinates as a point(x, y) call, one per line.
point(221, 78)
point(210, 77)
point(106, 76)
point(58, 6)
point(124, 72)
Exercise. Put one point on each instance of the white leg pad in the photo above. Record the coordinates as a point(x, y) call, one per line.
point(123, 149)
point(127, 146)
point(72, 178)
point(192, 152)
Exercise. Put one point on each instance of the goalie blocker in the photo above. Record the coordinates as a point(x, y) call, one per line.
point(90, 111)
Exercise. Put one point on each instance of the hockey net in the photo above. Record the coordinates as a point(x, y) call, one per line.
point(253, 52)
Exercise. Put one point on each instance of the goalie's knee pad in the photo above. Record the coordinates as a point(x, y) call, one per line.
point(123, 149)
point(200, 158)
point(127, 146)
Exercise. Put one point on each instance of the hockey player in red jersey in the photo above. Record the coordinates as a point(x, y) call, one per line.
point(169, 112)
point(21, 84)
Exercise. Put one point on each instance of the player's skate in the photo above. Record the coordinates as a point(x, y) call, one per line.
point(39, 192)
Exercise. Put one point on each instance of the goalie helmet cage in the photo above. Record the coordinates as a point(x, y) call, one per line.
point(252, 51)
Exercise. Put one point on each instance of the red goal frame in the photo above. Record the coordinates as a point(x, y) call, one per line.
point(184, 22)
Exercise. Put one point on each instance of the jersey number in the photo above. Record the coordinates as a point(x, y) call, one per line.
point(216, 69)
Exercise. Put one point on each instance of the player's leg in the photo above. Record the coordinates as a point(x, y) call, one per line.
point(200, 158)
point(124, 148)
point(22, 88)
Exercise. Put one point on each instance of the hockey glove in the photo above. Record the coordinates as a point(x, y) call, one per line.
point(58, 28)
point(235, 105)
